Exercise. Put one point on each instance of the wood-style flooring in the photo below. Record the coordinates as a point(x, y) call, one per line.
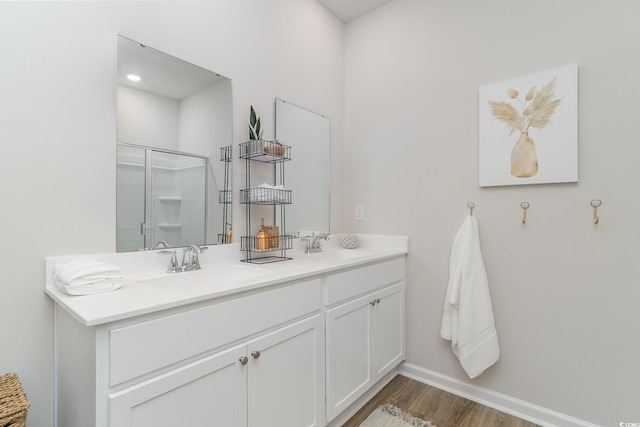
point(441, 408)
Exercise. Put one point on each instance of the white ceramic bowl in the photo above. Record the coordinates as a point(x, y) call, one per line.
point(350, 241)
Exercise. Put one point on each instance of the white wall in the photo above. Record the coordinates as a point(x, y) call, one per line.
point(58, 132)
point(206, 125)
point(147, 119)
point(206, 122)
point(565, 291)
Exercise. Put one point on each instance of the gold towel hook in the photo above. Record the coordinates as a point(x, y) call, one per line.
point(596, 203)
point(471, 205)
point(524, 206)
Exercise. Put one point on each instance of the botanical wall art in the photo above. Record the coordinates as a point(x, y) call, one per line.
point(528, 129)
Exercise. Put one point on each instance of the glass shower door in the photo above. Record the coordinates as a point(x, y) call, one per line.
point(161, 196)
point(178, 199)
point(130, 198)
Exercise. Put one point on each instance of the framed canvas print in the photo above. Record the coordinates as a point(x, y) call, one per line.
point(528, 129)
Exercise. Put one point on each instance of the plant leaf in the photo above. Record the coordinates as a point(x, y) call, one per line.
point(254, 125)
point(542, 116)
point(543, 106)
point(252, 117)
point(505, 112)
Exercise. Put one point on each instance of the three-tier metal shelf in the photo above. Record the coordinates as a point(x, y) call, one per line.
point(274, 248)
point(225, 196)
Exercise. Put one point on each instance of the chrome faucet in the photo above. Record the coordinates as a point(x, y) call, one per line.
point(190, 259)
point(313, 244)
point(173, 262)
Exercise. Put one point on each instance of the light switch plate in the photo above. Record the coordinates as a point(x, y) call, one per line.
point(359, 216)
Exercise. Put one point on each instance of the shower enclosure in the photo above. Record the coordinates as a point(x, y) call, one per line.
point(161, 197)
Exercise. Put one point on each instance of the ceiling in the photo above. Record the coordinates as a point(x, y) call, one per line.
point(161, 72)
point(348, 10)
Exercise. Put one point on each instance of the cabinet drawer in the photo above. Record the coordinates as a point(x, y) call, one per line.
point(349, 284)
point(147, 346)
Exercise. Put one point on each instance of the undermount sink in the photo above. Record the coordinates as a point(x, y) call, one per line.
point(208, 276)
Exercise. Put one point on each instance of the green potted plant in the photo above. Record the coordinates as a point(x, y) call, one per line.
point(255, 132)
point(273, 148)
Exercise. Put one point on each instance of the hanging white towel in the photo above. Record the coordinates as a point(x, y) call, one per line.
point(468, 313)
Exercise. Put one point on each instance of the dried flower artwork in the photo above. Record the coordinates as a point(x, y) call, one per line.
point(535, 111)
point(522, 113)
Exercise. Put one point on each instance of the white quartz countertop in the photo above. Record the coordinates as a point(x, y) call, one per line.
point(148, 288)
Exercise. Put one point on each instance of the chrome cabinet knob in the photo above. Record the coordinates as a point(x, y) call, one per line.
point(256, 354)
point(244, 360)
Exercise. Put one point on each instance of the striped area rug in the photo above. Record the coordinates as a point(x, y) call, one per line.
point(391, 416)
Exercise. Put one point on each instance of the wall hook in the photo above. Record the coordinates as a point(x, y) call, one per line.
point(524, 206)
point(596, 203)
point(471, 205)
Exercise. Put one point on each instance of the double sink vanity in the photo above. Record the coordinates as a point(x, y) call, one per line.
point(296, 343)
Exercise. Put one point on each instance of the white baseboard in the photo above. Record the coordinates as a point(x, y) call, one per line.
point(501, 402)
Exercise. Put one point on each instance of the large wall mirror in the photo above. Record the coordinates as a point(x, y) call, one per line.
point(174, 140)
point(308, 173)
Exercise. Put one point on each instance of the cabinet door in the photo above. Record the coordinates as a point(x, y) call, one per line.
point(348, 340)
point(209, 392)
point(286, 386)
point(388, 330)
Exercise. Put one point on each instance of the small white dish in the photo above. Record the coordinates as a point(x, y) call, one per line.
point(349, 241)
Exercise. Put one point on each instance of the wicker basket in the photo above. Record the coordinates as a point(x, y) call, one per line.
point(273, 231)
point(13, 402)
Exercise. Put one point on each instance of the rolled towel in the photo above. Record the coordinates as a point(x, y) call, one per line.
point(84, 277)
point(89, 290)
point(266, 193)
point(280, 195)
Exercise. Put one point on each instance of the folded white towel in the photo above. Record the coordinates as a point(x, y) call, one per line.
point(468, 313)
point(84, 277)
point(89, 290)
point(267, 193)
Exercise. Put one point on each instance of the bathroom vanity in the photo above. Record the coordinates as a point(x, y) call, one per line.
point(296, 343)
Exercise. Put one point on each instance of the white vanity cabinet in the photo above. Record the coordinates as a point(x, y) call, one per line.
point(211, 390)
point(303, 349)
point(248, 385)
point(286, 377)
point(364, 330)
point(255, 360)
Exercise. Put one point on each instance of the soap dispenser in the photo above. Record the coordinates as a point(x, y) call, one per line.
point(262, 239)
point(228, 236)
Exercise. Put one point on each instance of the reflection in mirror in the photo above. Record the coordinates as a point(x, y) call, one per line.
point(174, 151)
point(167, 191)
point(308, 173)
